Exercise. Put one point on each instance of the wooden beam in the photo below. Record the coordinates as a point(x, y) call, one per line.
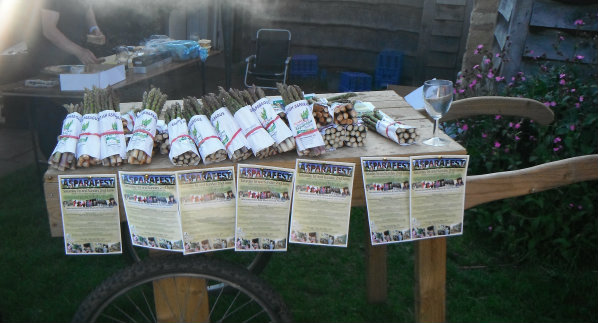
point(430, 280)
point(376, 269)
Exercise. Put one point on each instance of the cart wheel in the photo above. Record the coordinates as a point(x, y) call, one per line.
point(254, 261)
point(166, 289)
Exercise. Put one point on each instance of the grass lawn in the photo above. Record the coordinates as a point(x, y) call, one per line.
point(320, 284)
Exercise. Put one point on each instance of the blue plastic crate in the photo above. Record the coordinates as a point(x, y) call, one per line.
point(304, 66)
point(388, 68)
point(355, 81)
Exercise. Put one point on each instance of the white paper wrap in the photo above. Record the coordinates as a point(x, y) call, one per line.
point(69, 136)
point(271, 121)
point(144, 132)
point(180, 141)
point(257, 137)
point(130, 118)
point(204, 135)
point(303, 125)
point(229, 131)
point(89, 139)
point(112, 137)
point(388, 129)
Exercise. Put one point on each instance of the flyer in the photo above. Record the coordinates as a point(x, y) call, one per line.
point(90, 218)
point(207, 205)
point(437, 195)
point(263, 207)
point(321, 202)
point(386, 184)
point(151, 206)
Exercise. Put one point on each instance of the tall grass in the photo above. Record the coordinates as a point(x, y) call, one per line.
point(38, 283)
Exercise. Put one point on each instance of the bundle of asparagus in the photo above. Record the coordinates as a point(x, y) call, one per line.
point(270, 120)
point(258, 138)
point(202, 132)
point(161, 142)
point(112, 137)
point(88, 146)
point(350, 136)
point(303, 125)
point(344, 113)
point(227, 128)
point(141, 144)
point(391, 129)
point(182, 149)
point(63, 156)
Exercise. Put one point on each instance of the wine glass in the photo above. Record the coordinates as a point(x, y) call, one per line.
point(438, 96)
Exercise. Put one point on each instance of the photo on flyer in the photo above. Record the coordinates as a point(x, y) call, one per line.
point(207, 206)
point(321, 203)
point(263, 207)
point(90, 217)
point(437, 195)
point(152, 209)
point(386, 185)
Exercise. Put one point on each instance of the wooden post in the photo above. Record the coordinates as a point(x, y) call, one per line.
point(430, 280)
point(376, 271)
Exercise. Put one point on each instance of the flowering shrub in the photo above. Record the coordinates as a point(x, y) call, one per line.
point(559, 224)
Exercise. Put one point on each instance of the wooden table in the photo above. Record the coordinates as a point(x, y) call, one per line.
point(430, 260)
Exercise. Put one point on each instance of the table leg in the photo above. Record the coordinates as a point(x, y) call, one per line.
point(177, 299)
point(376, 271)
point(203, 78)
point(33, 134)
point(430, 280)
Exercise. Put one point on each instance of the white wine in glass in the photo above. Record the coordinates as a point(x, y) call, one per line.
point(438, 96)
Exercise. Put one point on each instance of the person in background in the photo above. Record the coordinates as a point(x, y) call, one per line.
point(67, 28)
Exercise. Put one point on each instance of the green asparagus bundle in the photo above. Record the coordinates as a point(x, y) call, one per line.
point(63, 156)
point(225, 125)
point(88, 146)
point(140, 147)
point(182, 149)
point(202, 132)
point(308, 139)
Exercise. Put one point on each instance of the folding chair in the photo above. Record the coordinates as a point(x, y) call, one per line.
point(271, 60)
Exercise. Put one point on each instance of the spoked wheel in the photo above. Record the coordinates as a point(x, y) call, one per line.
point(253, 261)
point(175, 289)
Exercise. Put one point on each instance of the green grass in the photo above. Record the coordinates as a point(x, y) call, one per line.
point(40, 284)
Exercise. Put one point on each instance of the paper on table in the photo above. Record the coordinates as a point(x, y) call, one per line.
point(416, 98)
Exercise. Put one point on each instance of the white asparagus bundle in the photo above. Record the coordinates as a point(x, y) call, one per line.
point(308, 139)
point(344, 136)
point(228, 130)
point(258, 138)
point(88, 146)
point(398, 132)
point(182, 149)
point(344, 114)
point(270, 120)
point(63, 156)
point(112, 137)
point(161, 142)
point(321, 114)
point(203, 133)
point(141, 144)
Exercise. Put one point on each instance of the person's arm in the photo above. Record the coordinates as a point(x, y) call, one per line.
point(49, 19)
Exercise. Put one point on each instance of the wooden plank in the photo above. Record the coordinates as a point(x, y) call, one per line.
point(501, 32)
point(445, 44)
point(497, 186)
point(562, 15)
point(175, 294)
point(464, 36)
point(541, 42)
point(441, 59)
point(451, 2)
point(450, 12)
point(446, 28)
point(518, 29)
point(424, 39)
point(430, 280)
point(505, 8)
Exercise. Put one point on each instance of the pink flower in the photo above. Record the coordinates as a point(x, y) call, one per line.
point(552, 103)
point(579, 207)
point(557, 139)
point(507, 150)
point(465, 127)
point(581, 98)
point(571, 205)
point(475, 67)
point(562, 82)
point(532, 138)
point(475, 52)
point(556, 149)
point(484, 135)
point(572, 90)
point(510, 125)
point(531, 52)
point(561, 38)
point(490, 228)
point(473, 83)
point(461, 91)
point(523, 78)
point(517, 138)
point(579, 57)
point(497, 55)
point(479, 76)
point(517, 125)
point(487, 61)
point(496, 144)
point(490, 75)
point(572, 127)
point(562, 75)
point(577, 105)
point(499, 78)
point(497, 117)
point(480, 46)
point(579, 22)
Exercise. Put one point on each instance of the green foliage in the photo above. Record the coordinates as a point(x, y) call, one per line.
point(561, 224)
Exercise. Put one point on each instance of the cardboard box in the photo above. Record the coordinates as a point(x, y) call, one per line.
point(98, 75)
